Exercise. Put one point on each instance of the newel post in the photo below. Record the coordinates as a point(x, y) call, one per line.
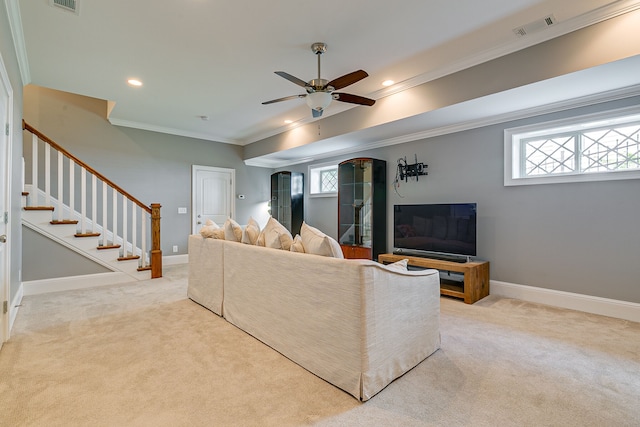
point(156, 252)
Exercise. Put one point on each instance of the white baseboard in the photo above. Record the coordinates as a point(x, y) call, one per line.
point(589, 304)
point(15, 307)
point(35, 287)
point(175, 259)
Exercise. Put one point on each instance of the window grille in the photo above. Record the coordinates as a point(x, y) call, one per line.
point(329, 180)
point(323, 180)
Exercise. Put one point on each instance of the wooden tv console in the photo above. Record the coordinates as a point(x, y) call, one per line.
point(476, 275)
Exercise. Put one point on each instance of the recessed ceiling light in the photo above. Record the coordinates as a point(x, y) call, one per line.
point(387, 83)
point(134, 82)
point(288, 122)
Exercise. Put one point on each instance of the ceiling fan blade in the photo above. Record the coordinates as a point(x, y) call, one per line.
point(316, 113)
point(286, 98)
point(292, 79)
point(347, 79)
point(353, 99)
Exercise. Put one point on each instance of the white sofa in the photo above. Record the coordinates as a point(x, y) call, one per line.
point(355, 323)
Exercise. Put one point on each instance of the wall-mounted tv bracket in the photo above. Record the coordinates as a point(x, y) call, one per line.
point(406, 171)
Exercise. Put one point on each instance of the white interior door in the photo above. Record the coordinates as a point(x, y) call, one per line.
point(213, 195)
point(5, 179)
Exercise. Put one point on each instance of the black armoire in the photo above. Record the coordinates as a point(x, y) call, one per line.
point(287, 199)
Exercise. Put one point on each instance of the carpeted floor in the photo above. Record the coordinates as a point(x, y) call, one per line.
point(142, 354)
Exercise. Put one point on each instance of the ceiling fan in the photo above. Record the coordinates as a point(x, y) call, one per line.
point(320, 92)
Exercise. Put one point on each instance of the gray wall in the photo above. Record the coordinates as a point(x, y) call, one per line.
point(10, 61)
point(578, 237)
point(39, 249)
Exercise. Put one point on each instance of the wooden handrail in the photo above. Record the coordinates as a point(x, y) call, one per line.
point(27, 126)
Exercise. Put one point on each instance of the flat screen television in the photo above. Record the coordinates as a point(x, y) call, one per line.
point(435, 230)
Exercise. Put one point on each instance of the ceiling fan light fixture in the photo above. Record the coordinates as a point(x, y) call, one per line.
point(319, 100)
point(320, 92)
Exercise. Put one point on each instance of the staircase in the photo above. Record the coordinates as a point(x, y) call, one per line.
point(99, 221)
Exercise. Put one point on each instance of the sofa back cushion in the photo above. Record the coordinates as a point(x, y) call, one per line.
point(275, 235)
point(251, 232)
point(232, 231)
point(296, 245)
point(212, 230)
point(318, 243)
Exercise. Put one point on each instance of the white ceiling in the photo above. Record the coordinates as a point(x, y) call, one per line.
point(217, 58)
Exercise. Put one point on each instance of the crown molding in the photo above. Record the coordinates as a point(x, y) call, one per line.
point(171, 131)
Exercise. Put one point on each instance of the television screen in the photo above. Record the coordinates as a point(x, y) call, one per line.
point(435, 228)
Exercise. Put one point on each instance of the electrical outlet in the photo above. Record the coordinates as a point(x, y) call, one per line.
point(175, 248)
point(182, 210)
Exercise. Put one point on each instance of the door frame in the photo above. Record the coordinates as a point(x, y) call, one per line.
point(5, 193)
point(232, 200)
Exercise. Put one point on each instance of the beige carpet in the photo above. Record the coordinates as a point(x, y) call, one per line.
point(142, 354)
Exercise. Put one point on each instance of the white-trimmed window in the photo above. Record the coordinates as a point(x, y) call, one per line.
point(323, 180)
point(595, 147)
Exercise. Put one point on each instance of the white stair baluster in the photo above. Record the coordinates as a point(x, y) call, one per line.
point(94, 203)
point(60, 214)
point(125, 217)
point(72, 193)
point(47, 175)
point(104, 214)
point(134, 230)
point(83, 200)
point(114, 219)
point(34, 169)
point(143, 239)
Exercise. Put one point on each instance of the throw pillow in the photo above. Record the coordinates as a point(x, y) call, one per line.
point(232, 230)
point(275, 235)
point(251, 232)
point(260, 239)
point(316, 242)
point(212, 230)
point(399, 265)
point(296, 245)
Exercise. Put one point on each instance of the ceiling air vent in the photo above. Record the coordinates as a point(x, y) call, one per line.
point(537, 25)
point(68, 5)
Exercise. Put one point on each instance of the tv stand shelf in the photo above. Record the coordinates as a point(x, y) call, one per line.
point(476, 275)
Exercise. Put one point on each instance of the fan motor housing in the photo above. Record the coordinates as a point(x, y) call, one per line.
point(319, 84)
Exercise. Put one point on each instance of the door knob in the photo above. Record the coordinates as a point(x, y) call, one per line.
point(3, 238)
